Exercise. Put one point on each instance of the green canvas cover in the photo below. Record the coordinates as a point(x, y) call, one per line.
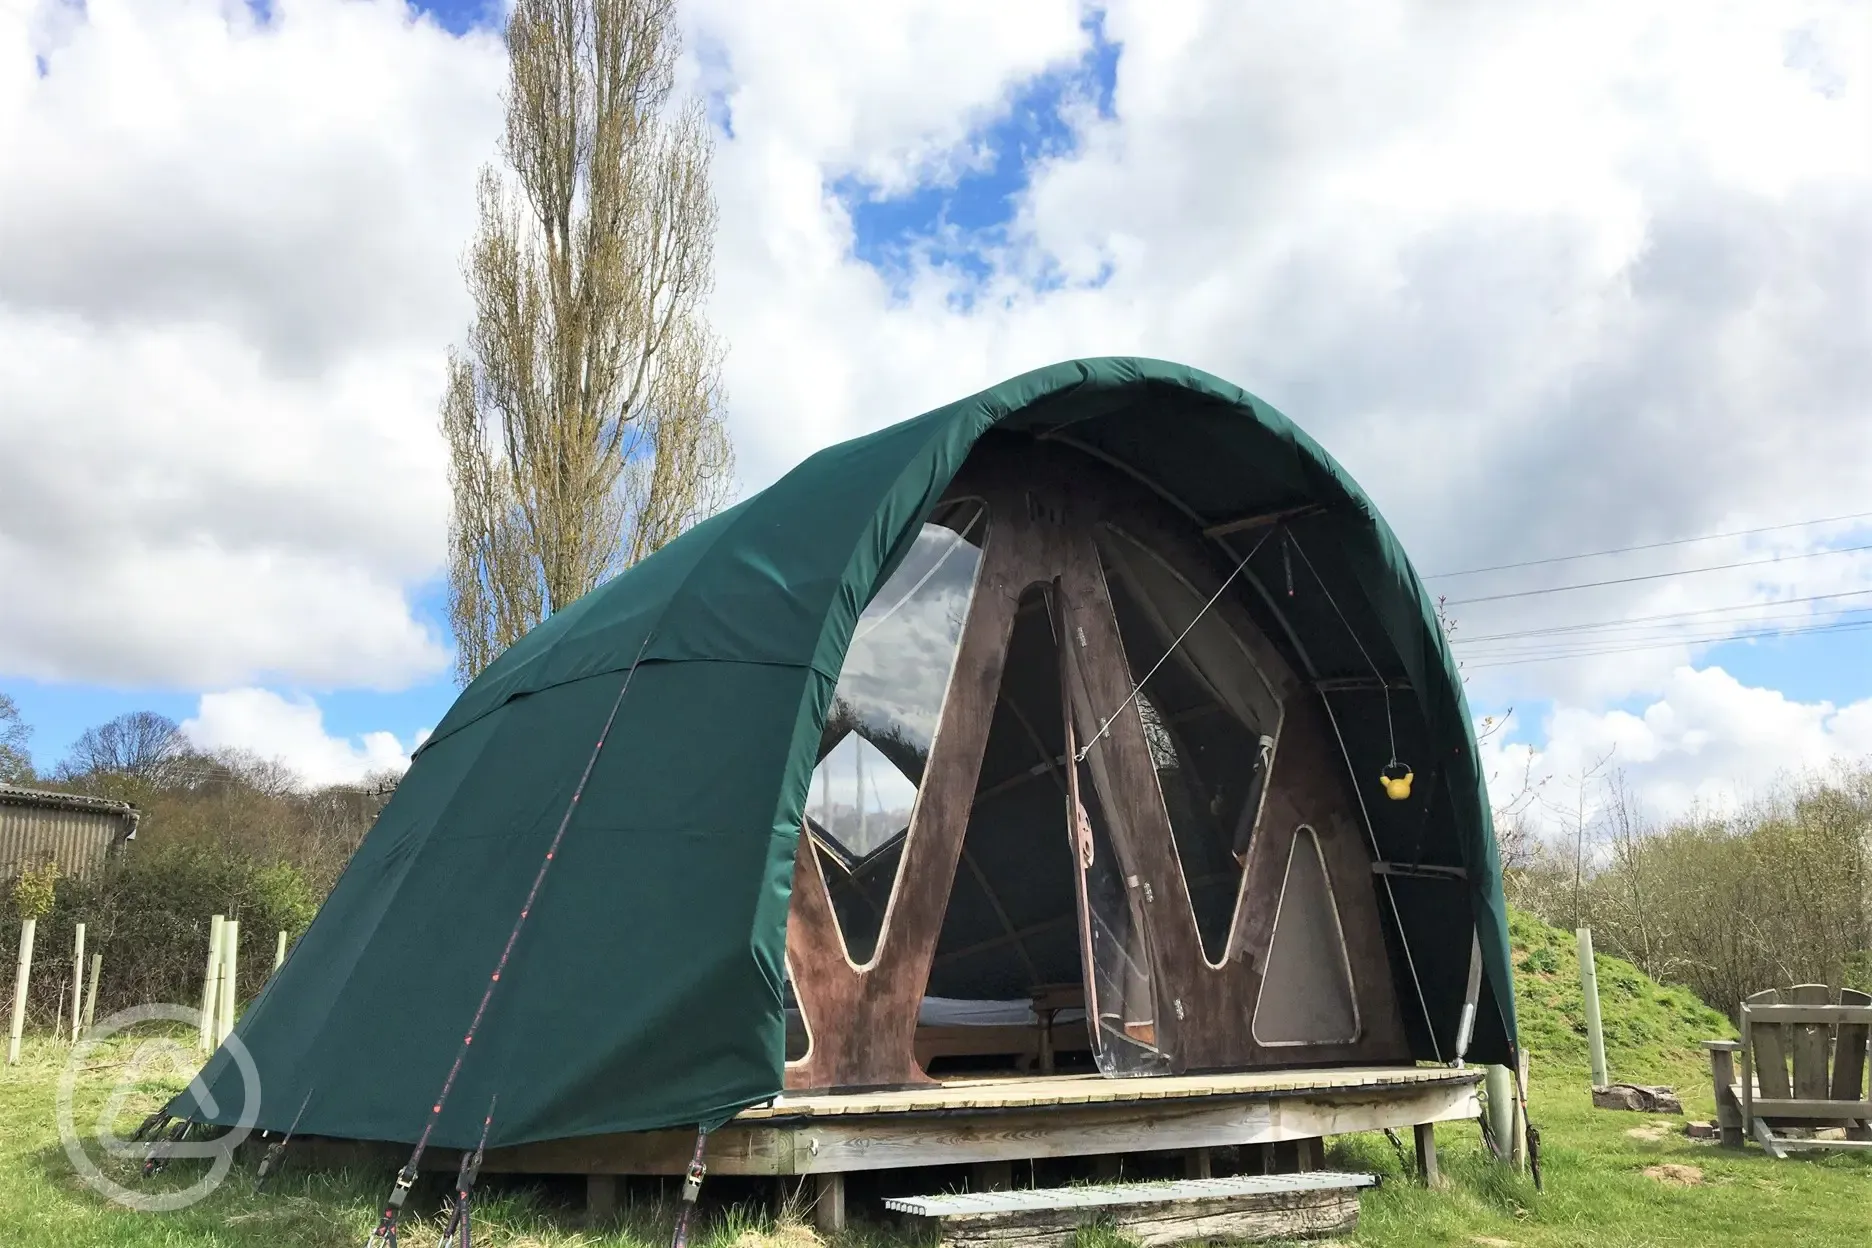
point(646, 988)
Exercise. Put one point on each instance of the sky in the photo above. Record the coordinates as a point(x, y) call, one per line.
point(1547, 278)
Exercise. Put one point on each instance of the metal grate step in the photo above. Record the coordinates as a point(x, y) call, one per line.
point(1097, 1195)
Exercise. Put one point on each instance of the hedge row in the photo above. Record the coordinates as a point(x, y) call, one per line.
point(149, 915)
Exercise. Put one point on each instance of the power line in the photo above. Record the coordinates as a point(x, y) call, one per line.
point(1581, 645)
point(1576, 656)
point(1711, 629)
point(1588, 653)
point(1635, 620)
point(1613, 645)
point(1625, 550)
point(1655, 576)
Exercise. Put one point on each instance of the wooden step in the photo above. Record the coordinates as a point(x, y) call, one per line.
point(1242, 1207)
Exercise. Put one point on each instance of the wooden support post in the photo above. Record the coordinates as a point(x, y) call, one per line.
point(1256, 1158)
point(1426, 1154)
point(1312, 1153)
point(21, 982)
point(78, 968)
point(1196, 1164)
point(1501, 1110)
point(991, 1176)
point(1723, 1077)
point(90, 1005)
point(279, 950)
point(1589, 988)
point(1284, 1156)
point(829, 1203)
point(601, 1199)
point(230, 978)
point(1108, 1167)
point(211, 983)
point(1520, 1113)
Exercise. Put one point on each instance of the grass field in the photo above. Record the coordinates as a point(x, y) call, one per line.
point(1611, 1178)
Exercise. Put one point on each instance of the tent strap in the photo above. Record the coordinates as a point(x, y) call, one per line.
point(386, 1234)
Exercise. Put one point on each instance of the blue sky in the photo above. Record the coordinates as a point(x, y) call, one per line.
point(954, 221)
point(956, 225)
point(1409, 230)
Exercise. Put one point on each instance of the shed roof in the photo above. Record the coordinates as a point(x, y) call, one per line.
point(48, 799)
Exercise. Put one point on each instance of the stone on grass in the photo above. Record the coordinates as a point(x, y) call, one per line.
point(1641, 1098)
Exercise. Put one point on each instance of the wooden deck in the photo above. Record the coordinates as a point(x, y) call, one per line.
point(1010, 1119)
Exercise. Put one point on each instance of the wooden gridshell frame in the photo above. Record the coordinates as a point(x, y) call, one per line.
point(1043, 504)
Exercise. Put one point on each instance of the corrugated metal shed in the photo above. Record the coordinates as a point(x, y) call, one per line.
point(76, 831)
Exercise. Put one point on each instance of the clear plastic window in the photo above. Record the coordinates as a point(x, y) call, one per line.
point(1115, 939)
point(882, 722)
point(1210, 719)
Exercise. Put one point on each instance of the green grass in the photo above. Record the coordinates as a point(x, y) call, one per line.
point(1597, 1192)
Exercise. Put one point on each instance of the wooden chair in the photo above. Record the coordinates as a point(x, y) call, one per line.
point(1827, 1046)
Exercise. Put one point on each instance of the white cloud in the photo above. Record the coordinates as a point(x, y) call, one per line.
point(1706, 741)
point(227, 274)
point(292, 731)
point(1545, 277)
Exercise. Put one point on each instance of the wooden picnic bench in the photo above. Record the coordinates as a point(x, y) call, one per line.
point(1826, 1045)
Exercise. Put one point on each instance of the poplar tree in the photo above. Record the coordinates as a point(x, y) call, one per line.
point(585, 417)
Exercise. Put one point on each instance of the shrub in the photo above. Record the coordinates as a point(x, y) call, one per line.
point(1541, 961)
point(148, 915)
point(35, 890)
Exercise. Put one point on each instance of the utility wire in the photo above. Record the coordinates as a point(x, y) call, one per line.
point(1595, 644)
point(1625, 550)
point(1696, 628)
point(1616, 645)
point(1640, 632)
point(1686, 616)
point(1515, 660)
point(1655, 576)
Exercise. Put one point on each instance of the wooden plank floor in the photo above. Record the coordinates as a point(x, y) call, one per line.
point(1016, 1092)
point(988, 1120)
point(992, 1120)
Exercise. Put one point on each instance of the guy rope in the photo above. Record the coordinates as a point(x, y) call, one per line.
point(386, 1233)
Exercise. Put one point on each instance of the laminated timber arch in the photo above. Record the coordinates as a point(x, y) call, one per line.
point(1045, 506)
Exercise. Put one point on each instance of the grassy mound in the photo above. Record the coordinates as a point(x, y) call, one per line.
point(1613, 1178)
point(1653, 1032)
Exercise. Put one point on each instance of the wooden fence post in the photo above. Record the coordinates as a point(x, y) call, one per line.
point(90, 1005)
point(20, 982)
point(1520, 1113)
point(77, 980)
point(1501, 1111)
point(1589, 988)
point(210, 1003)
point(230, 953)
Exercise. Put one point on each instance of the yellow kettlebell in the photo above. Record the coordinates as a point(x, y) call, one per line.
point(1396, 781)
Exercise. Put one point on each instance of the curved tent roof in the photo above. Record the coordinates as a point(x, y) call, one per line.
point(646, 989)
